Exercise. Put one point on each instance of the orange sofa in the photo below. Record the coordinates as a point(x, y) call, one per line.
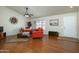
point(37, 33)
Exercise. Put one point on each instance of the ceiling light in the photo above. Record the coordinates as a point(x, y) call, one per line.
point(27, 14)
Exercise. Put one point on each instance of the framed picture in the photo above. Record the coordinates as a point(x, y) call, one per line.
point(54, 22)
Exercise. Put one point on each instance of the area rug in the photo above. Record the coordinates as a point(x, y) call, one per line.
point(16, 40)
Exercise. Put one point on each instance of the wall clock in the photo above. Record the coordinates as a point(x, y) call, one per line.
point(13, 20)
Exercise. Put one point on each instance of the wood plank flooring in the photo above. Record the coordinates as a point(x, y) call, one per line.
point(48, 44)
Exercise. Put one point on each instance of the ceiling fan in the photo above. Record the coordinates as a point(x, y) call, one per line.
point(27, 14)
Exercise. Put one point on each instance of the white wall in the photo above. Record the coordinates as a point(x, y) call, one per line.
point(53, 28)
point(11, 29)
point(59, 28)
point(70, 24)
point(78, 24)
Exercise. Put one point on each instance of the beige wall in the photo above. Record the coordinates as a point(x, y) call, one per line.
point(11, 29)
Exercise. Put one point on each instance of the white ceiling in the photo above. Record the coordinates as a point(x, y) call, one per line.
point(41, 11)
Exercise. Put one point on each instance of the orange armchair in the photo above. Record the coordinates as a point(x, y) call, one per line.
point(38, 33)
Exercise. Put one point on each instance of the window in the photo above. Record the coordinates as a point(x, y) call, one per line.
point(40, 23)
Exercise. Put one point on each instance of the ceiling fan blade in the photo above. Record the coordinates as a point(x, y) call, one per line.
point(31, 14)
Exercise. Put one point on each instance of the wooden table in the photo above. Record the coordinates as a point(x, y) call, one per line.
point(2, 35)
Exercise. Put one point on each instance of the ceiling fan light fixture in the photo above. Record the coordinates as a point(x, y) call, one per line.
point(27, 14)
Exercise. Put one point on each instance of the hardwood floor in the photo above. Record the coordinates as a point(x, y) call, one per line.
point(46, 45)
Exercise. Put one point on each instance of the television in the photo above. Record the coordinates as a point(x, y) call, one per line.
point(1, 28)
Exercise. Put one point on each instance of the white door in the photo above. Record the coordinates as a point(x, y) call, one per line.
point(70, 26)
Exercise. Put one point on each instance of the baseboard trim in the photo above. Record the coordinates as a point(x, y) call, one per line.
point(12, 35)
point(69, 37)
